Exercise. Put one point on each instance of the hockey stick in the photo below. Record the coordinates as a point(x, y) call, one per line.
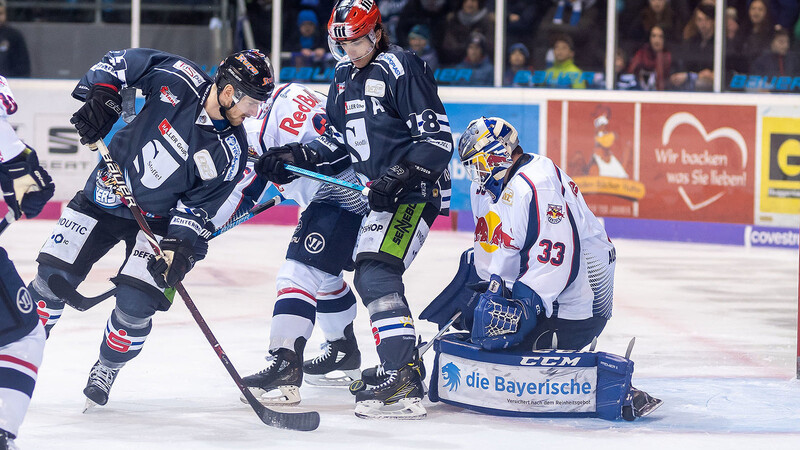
point(7, 220)
point(306, 421)
point(327, 179)
point(424, 348)
point(65, 290)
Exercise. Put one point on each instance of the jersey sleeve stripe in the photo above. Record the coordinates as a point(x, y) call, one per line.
point(576, 249)
point(534, 226)
point(561, 181)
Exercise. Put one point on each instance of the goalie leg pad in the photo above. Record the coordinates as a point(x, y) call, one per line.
point(457, 296)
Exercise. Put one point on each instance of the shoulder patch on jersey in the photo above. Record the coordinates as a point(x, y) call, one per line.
point(554, 213)
point(236, 151)
point(507, 196)
point(354, 106)
point(205, 165)
point(448, 146)
point(339, 88)
point(196, 78)
point(174, 139)
point(375, 88)
point(168, 97)
point(393, 62)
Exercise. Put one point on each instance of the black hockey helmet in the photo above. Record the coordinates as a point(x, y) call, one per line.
point(250, 72)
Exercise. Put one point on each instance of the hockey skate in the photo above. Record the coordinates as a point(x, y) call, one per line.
point(641, 405)
point(99, 385)
point(373, 376)
point(398, 397)
point(338, 366)
point(284, 373)
point(7, 441)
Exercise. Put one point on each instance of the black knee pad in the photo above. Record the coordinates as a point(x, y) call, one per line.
point(138, 302)
point(375, 279)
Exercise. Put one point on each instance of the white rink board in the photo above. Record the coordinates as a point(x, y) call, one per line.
point(715, 344)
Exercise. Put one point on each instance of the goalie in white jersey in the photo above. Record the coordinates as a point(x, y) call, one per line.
point(309, 284)
point(548, 261)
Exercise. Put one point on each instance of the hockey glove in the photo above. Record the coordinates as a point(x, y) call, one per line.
point(271, 164)
point(26, 185)
point(501, 322)
point(176, 259)
point(98, 114)
point(385, 192)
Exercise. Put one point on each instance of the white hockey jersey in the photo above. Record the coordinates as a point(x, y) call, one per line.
point(10, 144)
point(295, 113)
point(542, 233)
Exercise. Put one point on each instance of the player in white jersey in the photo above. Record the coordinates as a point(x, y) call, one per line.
point(310, 282)
point(548, 261)
point(26, 188)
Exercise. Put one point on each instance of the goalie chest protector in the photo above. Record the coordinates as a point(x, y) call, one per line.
point(549, 383)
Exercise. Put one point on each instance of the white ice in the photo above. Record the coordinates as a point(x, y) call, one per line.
point(715, 339)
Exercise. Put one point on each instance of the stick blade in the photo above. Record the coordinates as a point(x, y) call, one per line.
point(305, 421)
point(65, 291)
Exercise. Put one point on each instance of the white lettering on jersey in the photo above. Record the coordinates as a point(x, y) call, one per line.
point(354, 106)
point(158, 164)
point(375, 88)
point(440, 143)
point(197, 80)
point(174, 139)
point(205, 165)
point(376, 106)
point(393, 63)
point(356, 136)
point(103, 67)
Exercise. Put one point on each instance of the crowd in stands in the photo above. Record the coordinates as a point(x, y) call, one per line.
point(662, 44)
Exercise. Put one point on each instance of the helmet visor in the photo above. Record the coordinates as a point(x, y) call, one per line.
point(354, 49)
point(249, 106)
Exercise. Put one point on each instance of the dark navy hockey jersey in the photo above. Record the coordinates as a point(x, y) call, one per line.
point(176, 163)
point(388, 113)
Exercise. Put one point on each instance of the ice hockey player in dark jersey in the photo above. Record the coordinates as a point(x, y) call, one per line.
point(182, 156)
point(386, 121)
point(26, 189)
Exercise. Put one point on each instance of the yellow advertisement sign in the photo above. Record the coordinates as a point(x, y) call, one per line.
point(780, 165)
point(620, 187)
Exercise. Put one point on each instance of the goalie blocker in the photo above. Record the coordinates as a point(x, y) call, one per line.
point(545, 383)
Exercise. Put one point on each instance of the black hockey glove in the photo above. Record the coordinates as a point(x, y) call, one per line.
point(171, 266)
point(98, 114)
point(271, 164)
point(26, 185)
point(385, 192)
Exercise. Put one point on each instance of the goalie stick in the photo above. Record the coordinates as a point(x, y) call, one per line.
point(305, 421)
point(64, 290)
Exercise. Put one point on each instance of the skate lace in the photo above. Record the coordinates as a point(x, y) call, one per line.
point(391, 374)
point(103, 377)
point(271, 361)
point(326, 347)
point(380, 371)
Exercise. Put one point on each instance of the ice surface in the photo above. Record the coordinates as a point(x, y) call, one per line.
point(715, 331)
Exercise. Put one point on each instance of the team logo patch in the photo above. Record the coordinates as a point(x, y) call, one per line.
point(24, 301)
point(314, 243)
point(168, 97)
point(508, 196)
point(554, 213)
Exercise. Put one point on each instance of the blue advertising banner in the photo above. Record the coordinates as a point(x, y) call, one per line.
point(525, 118)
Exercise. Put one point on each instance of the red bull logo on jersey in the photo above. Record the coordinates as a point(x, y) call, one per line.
point(490, 235)
point(555, 213)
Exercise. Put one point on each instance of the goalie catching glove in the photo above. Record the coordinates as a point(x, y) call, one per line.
point(175, 260)
point(26, 185)
point(271, 164)
point(502, 320)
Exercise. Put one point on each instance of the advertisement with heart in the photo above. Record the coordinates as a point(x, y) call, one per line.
point(697, 162)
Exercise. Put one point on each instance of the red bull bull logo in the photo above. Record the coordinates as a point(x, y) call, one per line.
point(490, 235)
point(555, 213)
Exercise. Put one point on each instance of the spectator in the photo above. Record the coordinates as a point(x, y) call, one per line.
point(696, 66)
point(563, 66)
point(522, 20)
point(14, 60)
point(518, 57)
point(308, 43)
point(652, 64)
point(581, 20)
point(392, 12)
point(757, 31)
point(431, 13)
point(690, 30)
point(477, 60)
point(419, 42)
point(785, 12)
point(777, 61)
point(656, 13)
point(473, 16)
point(734, 61)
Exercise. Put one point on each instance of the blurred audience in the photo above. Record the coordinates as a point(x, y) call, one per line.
point(14, 59)
point(580, 20)
point(652, 64)
point(309, 43)
point(518, 59)
point(757, 30)
point(777, 61)
point(696, 61)
point(477, 60)
point(563, 65)
point(473, 16)
point(419, 42)
point(655, 13)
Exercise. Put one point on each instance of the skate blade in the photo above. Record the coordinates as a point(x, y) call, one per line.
point(289, 396)
point(334, 378)
point(404, 409)
point(89, 406)
point(650, 407)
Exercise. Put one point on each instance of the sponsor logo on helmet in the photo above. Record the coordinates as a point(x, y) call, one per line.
point(555, 213)
point(247, 64)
